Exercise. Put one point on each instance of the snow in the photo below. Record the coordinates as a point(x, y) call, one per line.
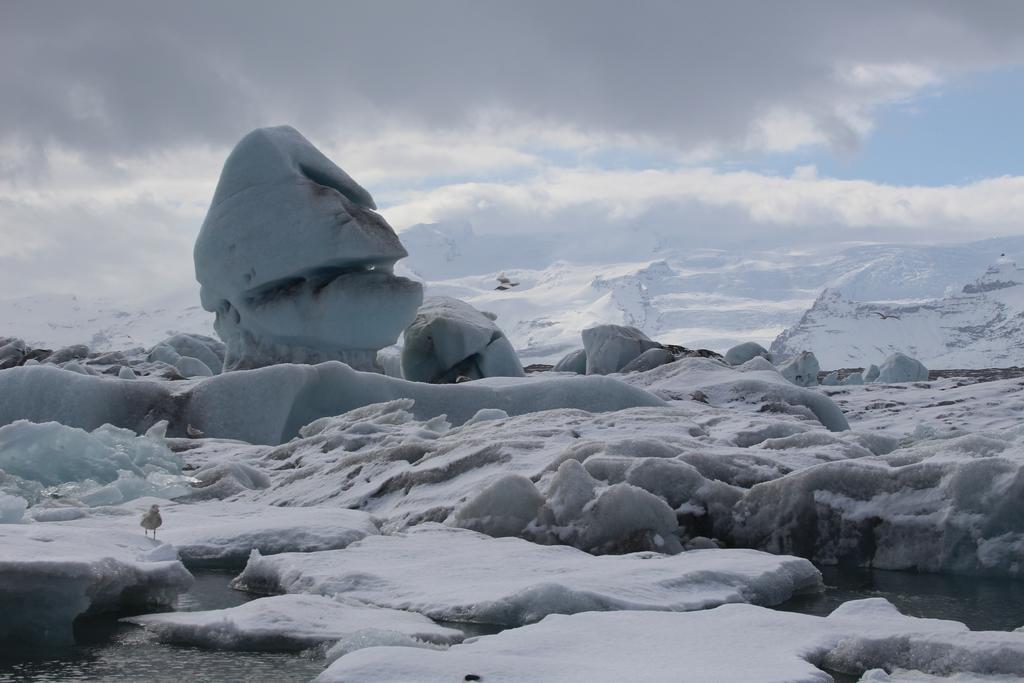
point(459, 575)
point(295, 263)
point(732, 643)
point(902, 368)
point(609, 348)
point(292, 622)
point(269, 405)
point(449, 338)
point(50, 574)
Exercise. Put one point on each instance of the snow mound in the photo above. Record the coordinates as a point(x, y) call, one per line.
point(51, 574)
point(458, 575)
point(291, 623)
point(269, 405)
point(610, 347)
point(450, 339)
point(295, 263)
point(103, 467)
point(729, 644)
point(902, 368)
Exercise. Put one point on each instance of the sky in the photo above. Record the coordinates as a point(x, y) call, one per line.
point(728, 124)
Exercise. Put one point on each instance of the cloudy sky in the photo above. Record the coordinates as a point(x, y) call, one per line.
point(725, 124)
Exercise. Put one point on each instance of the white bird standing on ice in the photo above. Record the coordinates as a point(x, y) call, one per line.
point(151, 520)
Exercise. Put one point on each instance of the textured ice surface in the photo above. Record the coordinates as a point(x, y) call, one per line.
point(294, 261)
point(51, 573)
point(900, 367)
point(450, 339)
point(802, 369)
point(610, 347)
point(269, 405)
point(729, 644)
point(741, 353)
point(106, 466)
point(292, 622)
point(459, 575)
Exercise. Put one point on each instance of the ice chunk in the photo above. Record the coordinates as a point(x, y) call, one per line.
point(854, 378)
point(831, 379)
point(106, 466)
point(451, 339)
point(460, 575)
point(269, 405)
point(12, 508)
point(504, 508)
point(574, 361)
point(291, 623)
point(902, 368)
point(205, 349)
point(485, 414)
point(648, 360)
point(729, 644)
point(51, 574)
point(741, 353)
point(294, 261)
point(802, 369)
point(871, 374)
point(192, 367)
point(610, 347)
point(126, 372)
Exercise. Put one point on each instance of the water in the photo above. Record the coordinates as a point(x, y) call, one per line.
point(982, 604)
point(107, 650)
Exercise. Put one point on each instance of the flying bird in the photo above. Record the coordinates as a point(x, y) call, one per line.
point(505, 284)
point(151, 520)
point(883, 316)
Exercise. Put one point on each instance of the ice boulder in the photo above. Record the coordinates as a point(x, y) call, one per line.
point(902, 368)
point(802, 369)
point(451, 339)
point(854, 378)
point(831, 379)
point(609, 348)
point(12, 508)
point(741, 353)
point(574, 361)
point(295, 262)
point(648, 360)
point(205, 349)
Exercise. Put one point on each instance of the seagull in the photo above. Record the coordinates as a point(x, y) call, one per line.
point(193, 432)
point(504, 284)
point(883, 316)
point(151, 520)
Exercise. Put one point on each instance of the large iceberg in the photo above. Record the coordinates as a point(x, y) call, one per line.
point(900, 367)
point(459, 575)
point(295, 262)
point(449, 340)
point(269, 405)
point(610, 348)
point(729, 644)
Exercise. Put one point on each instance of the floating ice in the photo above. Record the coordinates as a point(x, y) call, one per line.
point(610, 347)
point(729, 644)
point(51, 574)
point(451, 339)
point(460, 575)
point(292, 623)
point(902, 368)
point(294, 261)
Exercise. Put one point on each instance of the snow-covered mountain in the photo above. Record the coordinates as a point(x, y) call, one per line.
point(706, 298)
point(980, 326)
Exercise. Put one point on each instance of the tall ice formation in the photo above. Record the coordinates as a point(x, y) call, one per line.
point(295, 262)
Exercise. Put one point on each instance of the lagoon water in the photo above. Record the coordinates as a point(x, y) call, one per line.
point(108, 650)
